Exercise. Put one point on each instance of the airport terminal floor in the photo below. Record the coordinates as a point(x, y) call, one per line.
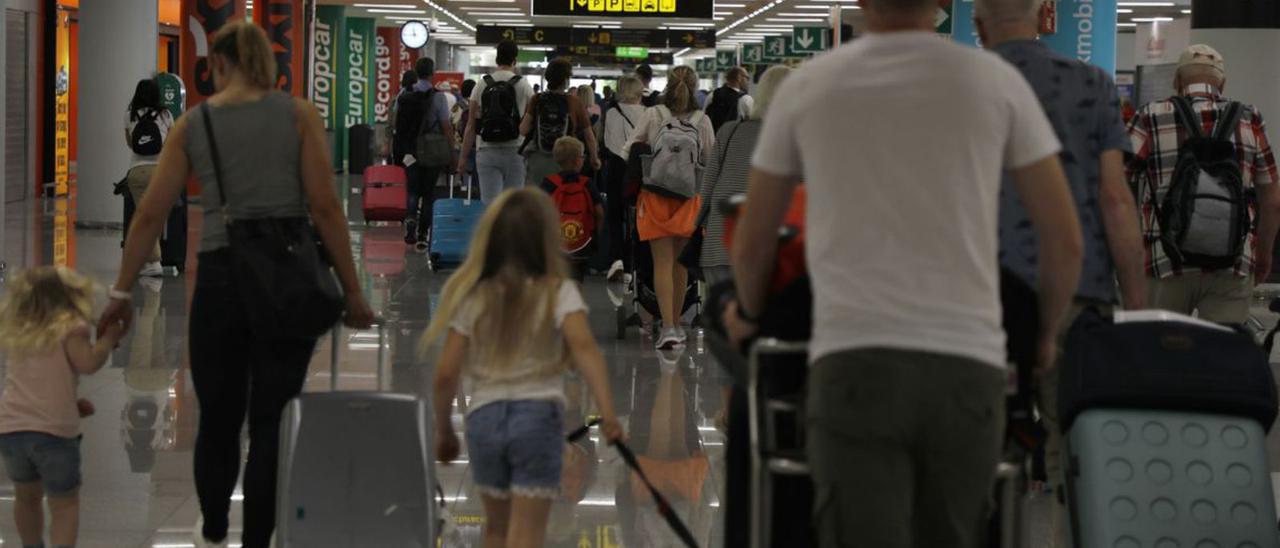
point(137, 449)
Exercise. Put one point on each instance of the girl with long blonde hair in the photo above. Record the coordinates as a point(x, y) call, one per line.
point(667, 222)
point(45, 329)
point(513, 323)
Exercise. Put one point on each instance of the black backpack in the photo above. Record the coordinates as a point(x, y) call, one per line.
point(551, 119)
point(652, 99)
point(146, 139)
point(724, 106)
point(1204, 214)
point(499, 112)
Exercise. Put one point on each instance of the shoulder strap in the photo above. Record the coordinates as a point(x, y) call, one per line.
point(696, 117)
point(512, 80)
point(728, 140)
point(217, 159)
point(489, 81)
point(664, 113)
point(1228, 122)
point(1186, 116)
point(618, 108)
point(427, 111)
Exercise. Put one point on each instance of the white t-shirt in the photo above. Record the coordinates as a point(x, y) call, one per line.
point(902, 139)
point(524, 92)
point(526, 380)
point(164, 121)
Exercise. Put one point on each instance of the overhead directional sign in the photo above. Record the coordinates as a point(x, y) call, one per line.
point(606, 38)
point(683, 9)
point(705, 66)
point(587, 55)
point(525, 36)
point(726, 60)
point(942, 20)
point(809, 39)
point(696, 39)
point(752, 53)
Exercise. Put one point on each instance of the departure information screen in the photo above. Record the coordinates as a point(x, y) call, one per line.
point(682, 9)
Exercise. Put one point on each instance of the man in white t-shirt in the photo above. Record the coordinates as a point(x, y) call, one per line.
point(902, 138)
point(499, 165)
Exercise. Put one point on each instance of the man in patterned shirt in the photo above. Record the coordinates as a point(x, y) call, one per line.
point(1081, 102)
point(1217, 295)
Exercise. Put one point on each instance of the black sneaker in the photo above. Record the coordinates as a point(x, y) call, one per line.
point(410, 232)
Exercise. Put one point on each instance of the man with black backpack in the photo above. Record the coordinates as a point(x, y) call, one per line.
point(423, 144)
point(497, 106)
point(1205, 175)
point(729, 102)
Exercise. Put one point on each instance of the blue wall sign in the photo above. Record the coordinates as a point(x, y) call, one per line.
point(1086, 30)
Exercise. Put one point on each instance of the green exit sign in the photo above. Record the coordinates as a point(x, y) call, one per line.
point(632, 52)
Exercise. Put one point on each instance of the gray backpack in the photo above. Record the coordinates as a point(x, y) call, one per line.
point(675, 166)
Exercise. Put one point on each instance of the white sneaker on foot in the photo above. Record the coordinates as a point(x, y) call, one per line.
point(198, 539)
point(681, 334)
point(668, 340)
point(152, 270)
point(615, 272)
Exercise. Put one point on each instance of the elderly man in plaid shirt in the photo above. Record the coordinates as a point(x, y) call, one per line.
point(1217, 295)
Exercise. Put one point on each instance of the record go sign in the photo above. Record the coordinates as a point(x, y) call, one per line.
point(679, 9)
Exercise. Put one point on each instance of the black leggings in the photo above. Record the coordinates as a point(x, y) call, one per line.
point(233, 374)
point(616, 214)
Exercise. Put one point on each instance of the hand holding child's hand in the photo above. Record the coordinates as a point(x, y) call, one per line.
point(447, 446)
point(85, 407)
point(612, 430)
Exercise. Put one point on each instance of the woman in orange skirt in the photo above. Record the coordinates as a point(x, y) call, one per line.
point(664, 221)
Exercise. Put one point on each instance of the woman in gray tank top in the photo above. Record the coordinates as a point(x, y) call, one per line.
point(276, 165)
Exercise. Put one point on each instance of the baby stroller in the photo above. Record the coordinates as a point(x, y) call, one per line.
point(643, 308)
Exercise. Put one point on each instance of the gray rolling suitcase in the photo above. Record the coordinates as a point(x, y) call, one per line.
point(356, 467)
point(1165, 421)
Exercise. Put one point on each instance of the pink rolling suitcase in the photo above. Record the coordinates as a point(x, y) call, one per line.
point(385, 193)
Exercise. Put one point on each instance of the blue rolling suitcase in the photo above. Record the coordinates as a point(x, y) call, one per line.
point(452, 221)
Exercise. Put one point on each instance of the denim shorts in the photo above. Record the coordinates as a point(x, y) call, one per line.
point(516, 447)
point(37, 456)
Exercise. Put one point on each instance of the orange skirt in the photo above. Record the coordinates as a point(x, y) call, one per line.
point(659, 216)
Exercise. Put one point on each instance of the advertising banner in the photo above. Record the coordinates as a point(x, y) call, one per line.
point(324, 71)
point(386, 63)
point(962, 28)
point(200, 20)
point(355, 71)
point(453, 78)
point(62, 106)
point(1086, 31)
point(284, 22)
point(408, 56)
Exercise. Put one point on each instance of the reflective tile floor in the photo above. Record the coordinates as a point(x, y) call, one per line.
point(137, 448)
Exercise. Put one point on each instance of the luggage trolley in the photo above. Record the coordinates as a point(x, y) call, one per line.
point(776, 376)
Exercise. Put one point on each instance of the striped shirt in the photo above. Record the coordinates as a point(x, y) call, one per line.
point(1156, 135)
point(725, 176)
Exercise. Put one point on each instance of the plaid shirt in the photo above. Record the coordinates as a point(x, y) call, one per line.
point(1156, 135)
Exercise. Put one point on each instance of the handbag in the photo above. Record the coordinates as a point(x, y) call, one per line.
point(432, 148)
point(283, 277)
point(691, 256)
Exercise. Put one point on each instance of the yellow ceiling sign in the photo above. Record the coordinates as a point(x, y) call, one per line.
point(683, 9)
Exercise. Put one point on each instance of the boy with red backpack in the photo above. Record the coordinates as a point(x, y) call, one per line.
point(578, 200)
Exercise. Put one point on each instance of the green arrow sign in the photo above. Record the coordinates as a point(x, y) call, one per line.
point(752, 53)
point(726, 60)
point(809, 39)
point(942, 20)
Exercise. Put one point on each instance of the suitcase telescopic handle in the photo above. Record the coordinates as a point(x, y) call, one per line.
point(381, 324)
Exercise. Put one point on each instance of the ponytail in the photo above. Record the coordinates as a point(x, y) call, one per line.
point(246, 46)
point(681, 83)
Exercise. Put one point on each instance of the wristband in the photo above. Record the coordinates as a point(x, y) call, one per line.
point(742, 315)
point(119, 295)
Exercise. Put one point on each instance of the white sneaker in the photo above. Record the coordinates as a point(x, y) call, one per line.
point(152, 270)
point(197, 537)
point(615, 272)
point(669, 339)
point(626, 280)
point(680, 332)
